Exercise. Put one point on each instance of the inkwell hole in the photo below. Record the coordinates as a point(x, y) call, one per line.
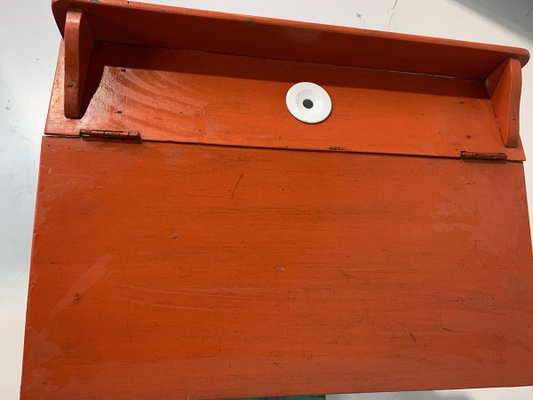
point(308, 103)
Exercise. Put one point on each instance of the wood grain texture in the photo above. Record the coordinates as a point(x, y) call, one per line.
point(505, 87)
point(78, 48)
point(181, 271)
point(199, 97)
point(129, 22)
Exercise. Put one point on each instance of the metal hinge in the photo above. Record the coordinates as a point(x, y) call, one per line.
point(483, 156)
point(110, 135)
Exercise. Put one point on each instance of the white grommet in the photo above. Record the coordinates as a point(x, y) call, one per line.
point(308, 102)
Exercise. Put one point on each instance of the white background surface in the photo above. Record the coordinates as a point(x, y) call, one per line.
point(28, 49)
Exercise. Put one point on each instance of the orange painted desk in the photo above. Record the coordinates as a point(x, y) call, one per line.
point(194, 240)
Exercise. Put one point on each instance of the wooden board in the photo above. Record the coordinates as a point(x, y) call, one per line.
point(129, 22)
point(199, 97)
point(181, 271)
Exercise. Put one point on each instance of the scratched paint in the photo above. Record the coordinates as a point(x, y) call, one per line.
point(253, 272)
point(260, 272)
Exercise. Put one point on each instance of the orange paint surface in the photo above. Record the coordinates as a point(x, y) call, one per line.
point(154, 25)
point(209, 245)
point(183, 271)
point(184, 96)
point(505, 87)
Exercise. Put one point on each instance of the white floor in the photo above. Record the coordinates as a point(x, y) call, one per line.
point(28, 50)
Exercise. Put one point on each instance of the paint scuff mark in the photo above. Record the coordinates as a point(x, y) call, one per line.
point(237, 185)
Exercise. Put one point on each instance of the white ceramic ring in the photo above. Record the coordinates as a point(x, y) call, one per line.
point(308, 102)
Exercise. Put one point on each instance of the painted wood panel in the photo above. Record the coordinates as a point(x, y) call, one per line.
point(181, 271)
point(130, 22)
point(198, 97)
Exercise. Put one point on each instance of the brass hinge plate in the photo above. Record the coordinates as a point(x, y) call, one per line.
point(110, 135)
point(469, 155)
